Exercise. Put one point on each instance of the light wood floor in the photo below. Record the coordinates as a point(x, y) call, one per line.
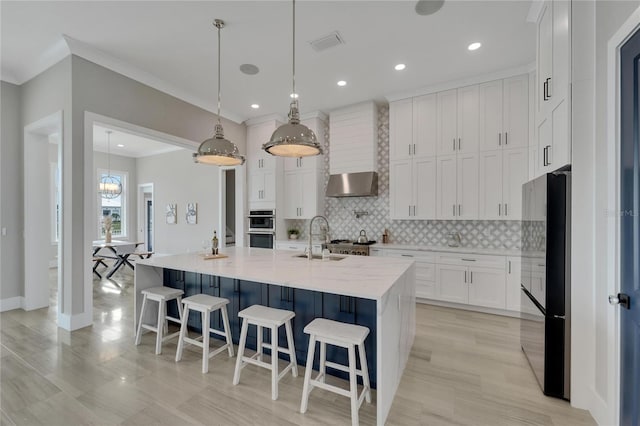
point(465, 369)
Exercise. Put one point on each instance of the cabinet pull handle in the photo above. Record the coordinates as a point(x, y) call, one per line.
point(406, 255)
point(459, 209)
point(414, 210)
point(469, 260)
point(465, 276)
point(499, 209)
point(471, 277)
point(414, 149)
point(454, 144)
point(509, 266)
point(236, 286)
point(505, 209)
point(506, 138)
point(499, 139)
point(459, 143)
point(409, 210)
point(454, 209)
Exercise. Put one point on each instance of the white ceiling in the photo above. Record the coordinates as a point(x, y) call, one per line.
point(134, 146)
point(175, 42)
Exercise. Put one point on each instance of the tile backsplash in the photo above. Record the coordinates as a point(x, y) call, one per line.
point(345, 225)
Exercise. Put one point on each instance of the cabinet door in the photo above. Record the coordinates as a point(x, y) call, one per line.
point(256, 186)
point(490, 135)
point(192, 286)
point(400, 189)
point(308, 190)
point(490, 178)
point(516, 112)
point(514, 269)
point(451, 283)
point(401, 129)
point(561, 55)
point(425, 125)
point(447, 122)
point(424, 188)
point(514, 175)
point(487, 287)
point(545, 142)
point(446, 203)
point(307, 306)
point(467, 172)
point(560, 152)
point(468, 119)
point(425, 279)
point(544, 56)
point(291, 195)
point(269, 193)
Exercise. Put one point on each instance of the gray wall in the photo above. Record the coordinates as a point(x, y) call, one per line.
point(11, 275)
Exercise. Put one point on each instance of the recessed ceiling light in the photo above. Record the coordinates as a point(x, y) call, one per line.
point(294, 96)
point(474, 46)
point(400, 67)
point(120, 145)
point(255, 106)
point(342, 83)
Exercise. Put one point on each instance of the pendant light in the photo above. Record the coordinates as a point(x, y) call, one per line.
point(293, 139)
point(218, 150)
point(109, 186)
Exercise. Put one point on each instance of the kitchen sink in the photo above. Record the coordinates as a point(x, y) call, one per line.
point(319, 257)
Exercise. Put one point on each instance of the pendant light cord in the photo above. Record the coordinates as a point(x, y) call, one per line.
point(219, 25)
point(295, 95)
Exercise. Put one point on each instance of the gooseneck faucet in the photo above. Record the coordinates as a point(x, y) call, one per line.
point(310, 252)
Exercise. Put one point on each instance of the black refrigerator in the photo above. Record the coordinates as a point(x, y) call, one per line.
point(545, 328)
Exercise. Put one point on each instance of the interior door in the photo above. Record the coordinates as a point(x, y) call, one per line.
point(630, 231)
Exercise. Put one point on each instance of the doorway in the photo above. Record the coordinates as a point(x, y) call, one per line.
point(630, 231)
point(43, 229)
point(146, 216)
point(232, 205)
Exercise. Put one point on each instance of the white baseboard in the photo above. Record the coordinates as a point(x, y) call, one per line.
point(75, 322)
point(11, 303)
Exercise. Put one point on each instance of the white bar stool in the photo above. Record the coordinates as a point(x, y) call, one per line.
point(263, 316)
point(344, 335)
point(162, 295)
point(205, 304)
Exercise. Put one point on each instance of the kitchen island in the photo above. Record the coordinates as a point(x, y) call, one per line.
point(375, 292)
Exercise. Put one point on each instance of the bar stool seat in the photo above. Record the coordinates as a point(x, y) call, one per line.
point(263, 316)
point(205, 304)
point(162, 295)
point(347, 336)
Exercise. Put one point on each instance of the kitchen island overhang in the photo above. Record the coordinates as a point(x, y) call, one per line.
point(376, 292)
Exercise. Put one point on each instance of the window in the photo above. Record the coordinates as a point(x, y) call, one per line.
point(115, 207)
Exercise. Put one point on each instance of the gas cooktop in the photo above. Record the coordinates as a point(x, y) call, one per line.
point(347, 242)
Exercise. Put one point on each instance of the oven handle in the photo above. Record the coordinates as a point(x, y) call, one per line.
point(250, 231)
point(261, 216)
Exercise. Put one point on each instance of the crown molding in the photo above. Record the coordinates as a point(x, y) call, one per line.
point(534, 11)
point(482, 78)
point(264, 119)
point(314, 114)
point(43, 62)
point(99, 57)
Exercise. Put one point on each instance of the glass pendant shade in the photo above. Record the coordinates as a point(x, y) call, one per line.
point(109, 186)
point(293, 139)
point(218, 150)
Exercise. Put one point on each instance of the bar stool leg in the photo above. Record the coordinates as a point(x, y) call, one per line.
point(353, 380)
point(139, 333)
point(160, 326)
point(243, 340)
point(323, 361)
point(274, 363)
point(365, 372)
point(292, 349)
point(307, 374)
point(205, 342)
point(183, 333)
point(227, 329)
point(259, 343)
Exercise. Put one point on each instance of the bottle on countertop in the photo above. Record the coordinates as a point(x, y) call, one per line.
point(385, 236)
point(214, 243)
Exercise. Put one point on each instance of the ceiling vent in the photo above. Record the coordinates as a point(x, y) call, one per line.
point(327, 42)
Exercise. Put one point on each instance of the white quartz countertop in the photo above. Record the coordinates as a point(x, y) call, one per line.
point(357, 276)
point(446, 249)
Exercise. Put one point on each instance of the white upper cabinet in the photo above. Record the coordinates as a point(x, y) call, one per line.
point(544, 56)
point(425, 126)
point(514, 174)
point(401, 129)
point(504, 113)
point(468, 119)
point(490, 179)
point(401, 189)
point(515, 112)
point(490, 135)
point(263, 169)
point(257, 135)
point(447, 122)
point(424, 188)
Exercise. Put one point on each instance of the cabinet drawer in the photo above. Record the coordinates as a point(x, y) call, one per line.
point(425, 289)
point(423, 256)
point(482, 260)
point(425, 271)
point(376, 252)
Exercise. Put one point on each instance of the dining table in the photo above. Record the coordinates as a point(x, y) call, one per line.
point(119, 251)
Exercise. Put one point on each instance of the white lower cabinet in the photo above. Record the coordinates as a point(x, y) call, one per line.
point(451, 283)
point(425, 270)
point(487, 287)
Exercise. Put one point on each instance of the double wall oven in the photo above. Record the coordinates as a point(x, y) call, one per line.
point(262, 228)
